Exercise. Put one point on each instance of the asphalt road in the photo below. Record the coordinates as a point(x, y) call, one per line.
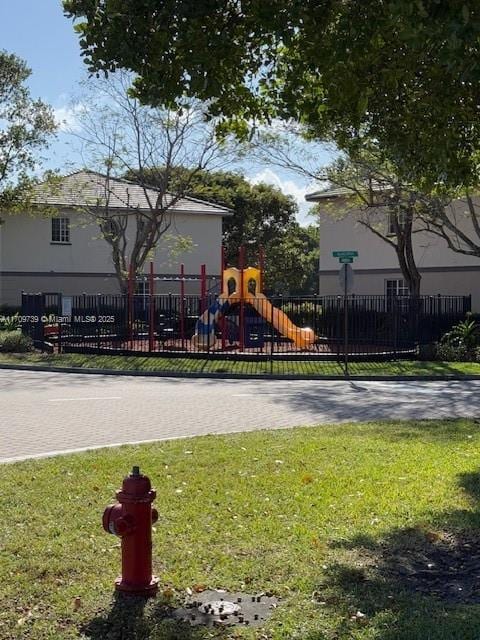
point(46, 413)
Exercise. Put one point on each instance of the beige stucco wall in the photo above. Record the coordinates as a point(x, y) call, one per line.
point(443, 271)
point(347, 232)
point(451, 283)
point(29, 261)
point(73, 284)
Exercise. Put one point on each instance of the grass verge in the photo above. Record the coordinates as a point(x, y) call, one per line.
point(335, 520)
point(277, 367)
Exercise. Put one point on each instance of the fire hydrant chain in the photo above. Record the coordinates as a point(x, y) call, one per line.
point(131, 519)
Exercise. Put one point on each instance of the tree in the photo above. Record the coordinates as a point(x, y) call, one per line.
point(262, 217)
point(25, 128)
point(291, 266)
point(261, 212)
point(120, 136)
point(460, 230)
point(384, 204)
point(403, 73)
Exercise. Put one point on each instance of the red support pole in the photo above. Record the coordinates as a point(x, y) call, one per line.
point(151, 314)
point(223, 324)
point(130, 304)
point(182, 304)
point(241, 323)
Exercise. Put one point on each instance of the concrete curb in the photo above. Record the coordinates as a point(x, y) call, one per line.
point(236, 376)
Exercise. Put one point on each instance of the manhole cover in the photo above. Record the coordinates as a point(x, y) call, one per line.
point(221, 608)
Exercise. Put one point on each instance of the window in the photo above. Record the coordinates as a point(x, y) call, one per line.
point(142, 288)
point(391, 221)
point(61, 230)
point(395, 288)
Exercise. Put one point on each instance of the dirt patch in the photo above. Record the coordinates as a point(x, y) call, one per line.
point(442, 565)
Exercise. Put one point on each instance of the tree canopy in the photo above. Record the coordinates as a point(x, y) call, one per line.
point(158, 147)
point(25, 126)
point(404, 73)
point(262, 217)
point(382, 203)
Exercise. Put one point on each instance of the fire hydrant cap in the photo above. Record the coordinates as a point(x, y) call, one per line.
point(135, 487)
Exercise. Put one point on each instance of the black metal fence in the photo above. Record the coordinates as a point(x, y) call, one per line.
point(296, 327)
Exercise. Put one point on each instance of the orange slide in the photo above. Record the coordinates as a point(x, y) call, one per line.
point(301, 337)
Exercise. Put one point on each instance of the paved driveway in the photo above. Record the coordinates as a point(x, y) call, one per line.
point(44, 413)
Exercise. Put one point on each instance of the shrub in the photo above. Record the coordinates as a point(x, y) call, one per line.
point(14, 342)
point(428, 352)
point(452, 352)
point(461, 343)
point(303, 313)
point(9, 322)
point(466, 333)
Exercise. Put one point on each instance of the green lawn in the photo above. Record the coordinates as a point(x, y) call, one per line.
point(336, 520)
point(282, 367)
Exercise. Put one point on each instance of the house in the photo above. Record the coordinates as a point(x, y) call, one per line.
point(63, 250)
point(376, 270)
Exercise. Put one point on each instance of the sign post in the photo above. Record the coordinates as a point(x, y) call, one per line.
point(345, 258)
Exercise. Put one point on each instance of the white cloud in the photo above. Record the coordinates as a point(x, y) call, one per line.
point(289, 187)
point(67, 117)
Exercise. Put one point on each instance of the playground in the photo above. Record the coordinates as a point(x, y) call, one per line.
point(231, 315)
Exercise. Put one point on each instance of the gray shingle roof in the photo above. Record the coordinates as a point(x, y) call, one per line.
point(88, 188)
point(329, 192)
point(336, 192)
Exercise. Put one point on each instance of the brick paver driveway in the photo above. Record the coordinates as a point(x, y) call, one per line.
point(45, 413)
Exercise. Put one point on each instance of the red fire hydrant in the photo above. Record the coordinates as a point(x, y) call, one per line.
point(131, 519)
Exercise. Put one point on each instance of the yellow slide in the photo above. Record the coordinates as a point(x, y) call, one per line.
point(301, 337)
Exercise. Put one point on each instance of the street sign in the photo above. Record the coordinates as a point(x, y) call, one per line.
point(346, 278)
point(345, 254)
point(345, 260)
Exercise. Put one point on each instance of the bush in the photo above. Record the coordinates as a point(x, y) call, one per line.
point(14, 342)
point(461, 344)
point(9, 322)
point(303, 313)
point(428, 352)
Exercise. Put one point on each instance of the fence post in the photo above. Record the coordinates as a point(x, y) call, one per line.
point(130, 312)
point(182, 304)
point(395, 328)
point(97, 318)
point(151, 314)
point(59, 337)
point(241, 322)
point(170, 315)
point(345, 325)
point(223, 323)
point(272, 330)
point(203, 287)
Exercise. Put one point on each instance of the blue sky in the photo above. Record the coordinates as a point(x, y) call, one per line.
point(38, 32)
